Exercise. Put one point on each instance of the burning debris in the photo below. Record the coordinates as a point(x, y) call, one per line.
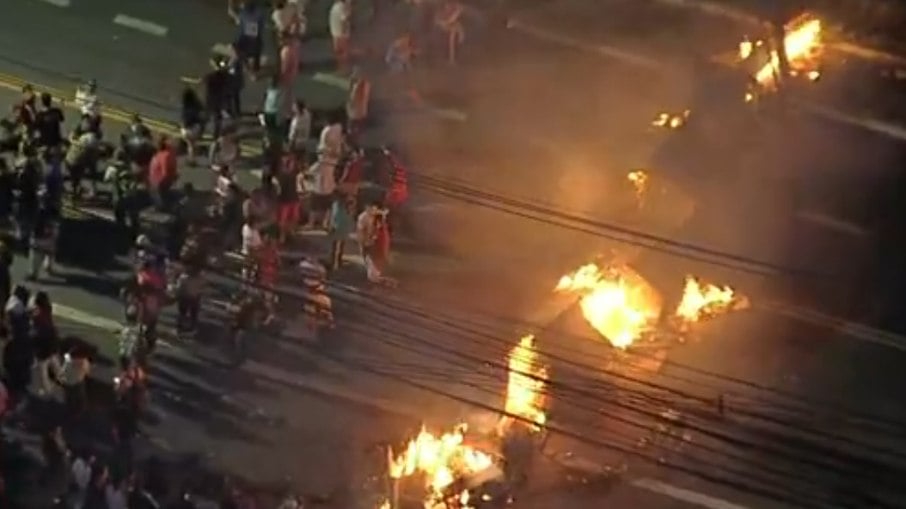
point(671, 120)
point(639, 181)
point(446, 463)
point(701, 301)
point(525, 392)
point(803, 46)
point(624, 308)
point(454, 472)
point(615, 300)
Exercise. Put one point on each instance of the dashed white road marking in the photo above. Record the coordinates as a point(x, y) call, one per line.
point(58, 3)
point(331, 79)
point(832, 223)
point(84, 318)
point(342, 83)
point(604, 50)
point(684, 495)
point(141, 25)
point(94, 321)
point(222, 48)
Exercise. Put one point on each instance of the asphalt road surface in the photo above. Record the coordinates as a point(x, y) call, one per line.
point(528, 134)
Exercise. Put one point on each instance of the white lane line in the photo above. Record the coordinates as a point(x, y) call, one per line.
point(58, 3)
point(684, 495)
point(342, 83)
point(141, 25)
point(331, 79)
point(223, 49)
point(94, 321)
point(577, 44)
point(84, 318)
point(895, 131)
point(852, 330)
point(832, 223)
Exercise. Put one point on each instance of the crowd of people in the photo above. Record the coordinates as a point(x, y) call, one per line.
point(310, 180)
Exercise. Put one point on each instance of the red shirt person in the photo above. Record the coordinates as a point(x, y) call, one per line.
point(162, 172)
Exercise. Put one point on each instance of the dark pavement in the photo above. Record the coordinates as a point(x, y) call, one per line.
point(529, 135)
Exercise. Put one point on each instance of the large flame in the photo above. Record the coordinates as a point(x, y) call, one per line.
point(803, 45)
point(525, 391)
point(442, 460)
point(704, 300)
point(616, 301)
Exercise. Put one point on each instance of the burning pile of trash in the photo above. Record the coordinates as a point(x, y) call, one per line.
point(624, 308)
point(449, 470)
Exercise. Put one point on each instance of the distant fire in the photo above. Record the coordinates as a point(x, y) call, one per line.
point(671, 120)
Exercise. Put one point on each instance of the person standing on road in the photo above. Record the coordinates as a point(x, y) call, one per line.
point(299, 133)
point(290, 60)
point(357, 102)
point(49, 123)
point(162, 174)
point(6, 279)
point(332, 142)
point(73, 375)
point(43, 244)
point(18, 352)
point(339, 21)
point(53, 186)
point(217, 86)
point(189, 288)
point(7, 191)
point(322, 175)
point(448, 19)
point(29, 185)
point(126, 204)
point(26, 110)
point(342, 225)
point(192, 120)
point(249, 41)
point(287, 198)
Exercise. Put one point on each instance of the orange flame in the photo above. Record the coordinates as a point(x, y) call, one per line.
point(703, 300)
point(525, 396)
point(615, 301)
point(442, 460)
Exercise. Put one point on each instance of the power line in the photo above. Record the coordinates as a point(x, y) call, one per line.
point(552, 216)
point(770, 491)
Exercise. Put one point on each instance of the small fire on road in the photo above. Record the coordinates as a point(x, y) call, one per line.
point(701, 301)
point(671, 120)
point(639, 181)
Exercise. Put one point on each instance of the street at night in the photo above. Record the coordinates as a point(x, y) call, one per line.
point(634, 266)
